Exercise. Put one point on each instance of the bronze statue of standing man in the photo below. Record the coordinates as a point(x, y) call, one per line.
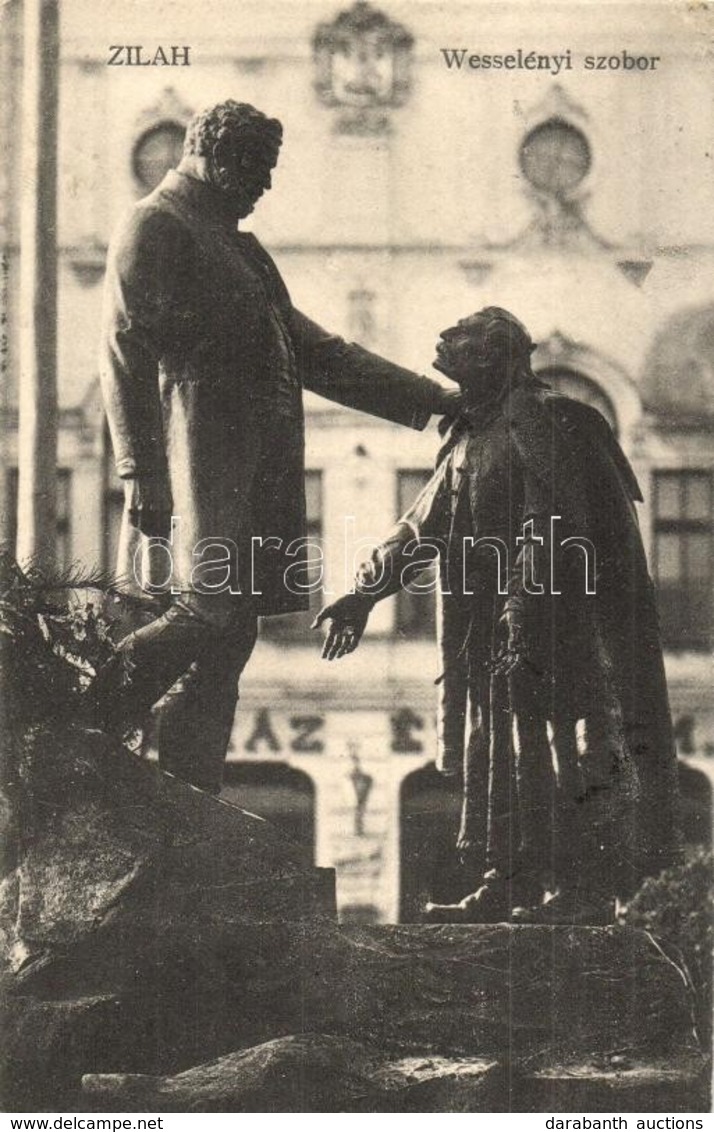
point(203, 364)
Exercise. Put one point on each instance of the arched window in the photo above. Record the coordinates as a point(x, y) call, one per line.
point(279, 793)
point(429, 867)
point(159, 149)
point(112, 504)
point(695, 793)
point(574, 384)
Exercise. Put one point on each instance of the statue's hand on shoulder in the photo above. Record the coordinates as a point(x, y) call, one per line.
point(347, 619)
point(148, 502)
point(448, 403)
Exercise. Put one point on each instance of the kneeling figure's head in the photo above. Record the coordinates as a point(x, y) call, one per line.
point(483, 350)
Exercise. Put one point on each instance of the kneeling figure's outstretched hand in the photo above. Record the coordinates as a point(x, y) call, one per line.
point(348, 617)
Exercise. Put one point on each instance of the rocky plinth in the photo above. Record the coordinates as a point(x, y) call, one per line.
point(321, 1073)
point(451, 1019)
point(177, 954)
point(308, 1073)
point(501, 1018)
point(126, 889)
point(109, 843)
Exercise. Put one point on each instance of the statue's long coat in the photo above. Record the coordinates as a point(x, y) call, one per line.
point(591, 701)
point(203, 364)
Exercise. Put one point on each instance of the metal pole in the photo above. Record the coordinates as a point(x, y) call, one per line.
point(37, 438)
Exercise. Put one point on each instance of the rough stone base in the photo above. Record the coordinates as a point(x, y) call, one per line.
point(581, 1019)
point(320, 1073)
point(110, 843)
point(312, 1073)
point(154, 933)
point(121, 918)
point(676, 1084)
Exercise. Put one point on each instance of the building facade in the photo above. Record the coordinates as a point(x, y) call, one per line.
point(416, 184)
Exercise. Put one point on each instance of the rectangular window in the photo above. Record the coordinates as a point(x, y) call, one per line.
point(113, 511)
point(64, 518)
point(683, 526)
point(294, 627)
point(63, 551)
point(11, 482)
point(416, 612)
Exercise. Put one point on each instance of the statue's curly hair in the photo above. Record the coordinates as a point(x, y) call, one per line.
point(505, 332)
point(239, 121)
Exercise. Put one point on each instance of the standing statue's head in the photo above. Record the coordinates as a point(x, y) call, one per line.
point(484, 351)
point(233, 147)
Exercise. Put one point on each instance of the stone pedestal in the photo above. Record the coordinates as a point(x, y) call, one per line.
point(179, 955)
point(110, 845)
point(446, 1019)
point(501, 1018)
point(121, 921)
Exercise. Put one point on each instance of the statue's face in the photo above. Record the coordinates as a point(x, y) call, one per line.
point(461, 354)
point(243, 170)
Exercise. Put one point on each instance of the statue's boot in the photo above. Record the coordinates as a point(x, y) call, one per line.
point(568, 906)
point(492, 902)
point(488, 905)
